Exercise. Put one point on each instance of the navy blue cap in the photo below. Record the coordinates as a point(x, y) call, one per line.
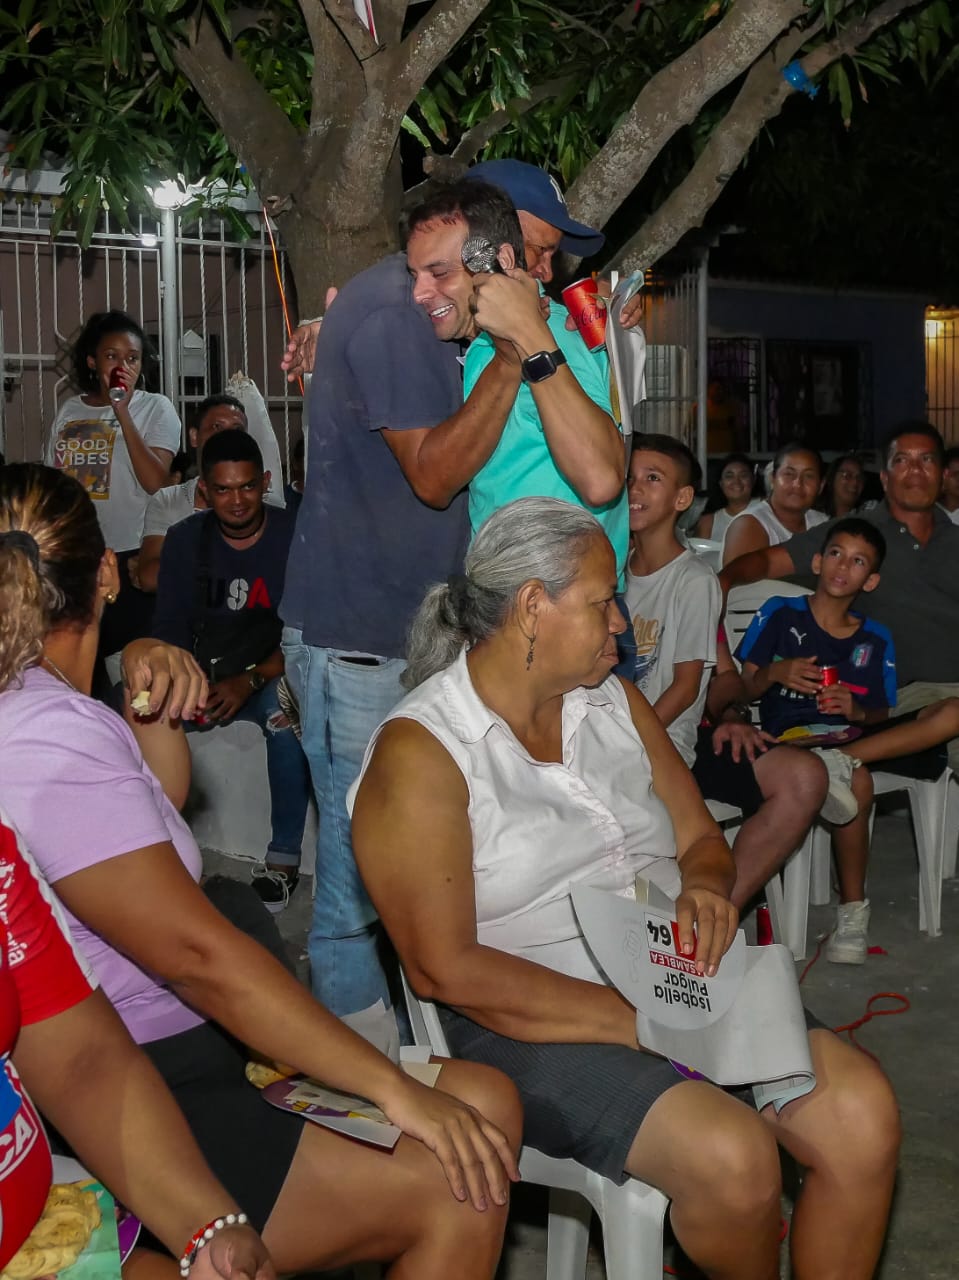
point(533, 190)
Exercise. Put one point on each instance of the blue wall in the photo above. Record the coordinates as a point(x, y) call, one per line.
point(893, 326)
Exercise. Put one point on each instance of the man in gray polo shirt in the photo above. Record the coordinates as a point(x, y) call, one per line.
point(918, 593)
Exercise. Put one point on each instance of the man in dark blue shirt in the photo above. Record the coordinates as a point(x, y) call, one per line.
point(390, 449)
point(222, 574)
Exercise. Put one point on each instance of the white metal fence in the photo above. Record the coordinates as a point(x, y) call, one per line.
point(226, 303)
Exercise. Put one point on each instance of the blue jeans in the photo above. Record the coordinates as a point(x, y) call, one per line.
point(341, 703)
point(288, 773)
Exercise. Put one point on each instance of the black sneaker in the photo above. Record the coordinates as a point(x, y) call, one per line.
point(274, 887)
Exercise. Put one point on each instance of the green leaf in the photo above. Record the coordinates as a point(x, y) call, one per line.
point(222, 21)
point(411, 127)
point(87, 221)
point(426, 102)
point(840, 87)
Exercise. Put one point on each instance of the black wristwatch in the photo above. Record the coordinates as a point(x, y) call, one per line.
point(257, 680)
point(542, 365)
point(742, 709)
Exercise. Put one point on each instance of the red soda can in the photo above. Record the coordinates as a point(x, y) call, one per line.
point(764, 926)
point(830, 675)
point(589, 315)
point(118, 389)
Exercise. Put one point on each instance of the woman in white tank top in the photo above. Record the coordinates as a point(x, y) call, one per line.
point(519, 766)
point(734, 494)
point(796, 480)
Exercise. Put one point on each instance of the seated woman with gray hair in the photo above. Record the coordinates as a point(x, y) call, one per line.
point(518, 766)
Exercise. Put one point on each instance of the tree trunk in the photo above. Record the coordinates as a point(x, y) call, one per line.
point(343, 218)
point(323, 252)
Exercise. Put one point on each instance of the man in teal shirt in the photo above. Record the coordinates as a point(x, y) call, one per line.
point(521, 464)
point(559, 439)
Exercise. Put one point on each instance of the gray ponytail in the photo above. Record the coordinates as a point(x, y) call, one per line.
point(532, 538)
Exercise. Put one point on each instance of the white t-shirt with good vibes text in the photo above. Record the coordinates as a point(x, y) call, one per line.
point(87, 443)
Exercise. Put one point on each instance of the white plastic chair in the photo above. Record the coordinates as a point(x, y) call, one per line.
point(708, 550)
point(951, 836)
point(787, 898)
point(935, 822)
point(744, 601)
point(631, 1215)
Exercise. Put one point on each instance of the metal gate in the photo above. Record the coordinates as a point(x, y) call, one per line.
point(942, 371)
point(673, 316)
point(226, 309)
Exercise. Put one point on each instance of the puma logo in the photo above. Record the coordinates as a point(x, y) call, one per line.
point(800, 635)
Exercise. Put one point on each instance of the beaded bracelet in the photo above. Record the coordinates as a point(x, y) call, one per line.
point(205, 1234)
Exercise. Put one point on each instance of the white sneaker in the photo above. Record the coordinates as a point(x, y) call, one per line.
point(840, 805)
point(847, 943)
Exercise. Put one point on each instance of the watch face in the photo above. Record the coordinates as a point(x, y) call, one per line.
point(542, 364)
point(539, 366)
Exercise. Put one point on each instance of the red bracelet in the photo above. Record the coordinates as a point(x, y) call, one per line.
point(204, 1235)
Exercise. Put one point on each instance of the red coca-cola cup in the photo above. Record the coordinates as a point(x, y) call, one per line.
point(588, 312)
point(830, 675)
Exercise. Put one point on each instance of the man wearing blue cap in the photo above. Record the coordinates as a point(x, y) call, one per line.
point(559, 439)
point(543, 217)
point(390, 446)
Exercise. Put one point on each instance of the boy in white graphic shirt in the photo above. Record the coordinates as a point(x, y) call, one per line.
point(672, 597)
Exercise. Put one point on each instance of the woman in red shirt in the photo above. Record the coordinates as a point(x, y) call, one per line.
point(62, 1044)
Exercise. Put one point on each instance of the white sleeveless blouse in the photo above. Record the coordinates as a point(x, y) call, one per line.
point(774, 527)
point(540, 828)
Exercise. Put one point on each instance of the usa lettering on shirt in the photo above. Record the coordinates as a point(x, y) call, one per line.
point(237, 594)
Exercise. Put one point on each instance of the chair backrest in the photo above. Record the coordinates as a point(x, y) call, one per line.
point(707, 550)
point(425, 1021)
point(744, 601)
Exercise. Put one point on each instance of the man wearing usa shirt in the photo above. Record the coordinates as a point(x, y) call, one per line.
point(219, 570)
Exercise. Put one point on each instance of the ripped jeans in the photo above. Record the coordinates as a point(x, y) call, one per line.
point(288, 773)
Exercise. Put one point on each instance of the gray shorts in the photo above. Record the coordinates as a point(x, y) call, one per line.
point(583, 1102)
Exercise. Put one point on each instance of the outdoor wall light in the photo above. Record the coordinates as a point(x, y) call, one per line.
point(170, 195)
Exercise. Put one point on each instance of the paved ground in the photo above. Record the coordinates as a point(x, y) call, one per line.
point(919, 1050)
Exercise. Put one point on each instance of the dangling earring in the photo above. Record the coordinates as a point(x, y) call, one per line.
point(529, 652)
point(110, 597)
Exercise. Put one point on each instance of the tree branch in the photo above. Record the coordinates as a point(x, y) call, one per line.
point(352, 30)
point(443, 168)
point(139, 93)
point(475, 139)
point(258, 132)
point(761, 99)
point(337, 75)
point(430, 43)
point(390, 16)
point(673, 98)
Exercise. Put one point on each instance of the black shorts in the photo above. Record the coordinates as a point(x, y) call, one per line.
point(248, 1144)
point(720, 777)
point(926, 765)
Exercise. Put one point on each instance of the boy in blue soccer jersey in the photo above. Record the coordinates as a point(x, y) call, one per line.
point(783, 653)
